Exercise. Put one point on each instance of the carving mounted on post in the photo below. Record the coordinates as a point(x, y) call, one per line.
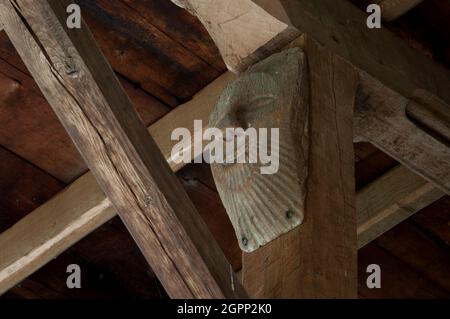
point(271, 94)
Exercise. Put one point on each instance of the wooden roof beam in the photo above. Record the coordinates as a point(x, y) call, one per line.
point(88, 99)
point(378, 56)
point(380, 206)
point(82, 207)
point(386, 65)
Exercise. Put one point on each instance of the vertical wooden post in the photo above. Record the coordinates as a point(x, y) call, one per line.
point(319, 258)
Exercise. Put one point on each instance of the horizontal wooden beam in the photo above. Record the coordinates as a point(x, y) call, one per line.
point(381, 118)
point(380, 206)
point(82, 207)
point(83, 91)
point(386, 65)
point(391, 199)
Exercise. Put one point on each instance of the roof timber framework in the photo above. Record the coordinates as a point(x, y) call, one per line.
point(98, 209)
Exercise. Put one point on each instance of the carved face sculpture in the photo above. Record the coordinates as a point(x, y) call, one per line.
point(271, 94)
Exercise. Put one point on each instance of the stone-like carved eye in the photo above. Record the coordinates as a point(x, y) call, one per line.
point(258, 105)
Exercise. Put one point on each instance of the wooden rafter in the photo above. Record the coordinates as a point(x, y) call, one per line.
point(339, 48)
point(82, 207)
point(342, 30)
point(391, 199)
point(83, 91)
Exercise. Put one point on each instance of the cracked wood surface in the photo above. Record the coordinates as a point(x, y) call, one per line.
point(243, 30)
point(319, 258)
point(80, 207)
point(381, 119)
point(89, 101)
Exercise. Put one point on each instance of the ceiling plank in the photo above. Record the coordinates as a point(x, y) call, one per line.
point(88, 99)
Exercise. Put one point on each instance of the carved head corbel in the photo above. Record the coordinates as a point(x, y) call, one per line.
point(271, 94)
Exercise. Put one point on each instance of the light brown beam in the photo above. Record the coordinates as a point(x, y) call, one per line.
point(242, 30)
point(381, 119)
point(325, 245)
point(388, 65)
point(342, 30)
point(129, 167)
point(82, 207)
point(206, 93)
point(391, 199)
point(380, 206)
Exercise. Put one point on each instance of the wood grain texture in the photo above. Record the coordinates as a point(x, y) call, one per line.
point(380, 118)
point(268, 96)
point(342, 30)
point(431, 114)
point(31, 129)
point(62, 221)
point(436, 219)
point(23, 187)
point(144, 53)
point(418, 250)
point(378, 52)
point(243, 30)
point(318, 259)
point(392, 66)
point(41, 247)
point(391, 199)
point(85, 206)
point(88, 99)
point(181, 27)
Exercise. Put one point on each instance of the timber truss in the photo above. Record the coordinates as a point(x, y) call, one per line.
point(364, 85)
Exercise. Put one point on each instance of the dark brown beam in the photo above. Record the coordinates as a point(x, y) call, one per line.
point(88, 99)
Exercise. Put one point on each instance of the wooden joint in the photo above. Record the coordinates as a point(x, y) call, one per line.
point(269, 103)
point(431, 114)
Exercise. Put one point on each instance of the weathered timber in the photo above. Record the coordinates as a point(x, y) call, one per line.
point(381, 119)
point(342, 29)
point(243, 31)
point(318, 259)
point(431, 114)
point(391, 199)
point(272, 94)
point(82, 207)
point(89, 101)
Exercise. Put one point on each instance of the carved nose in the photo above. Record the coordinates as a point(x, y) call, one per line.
point(232, 120)
point(228, 121)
